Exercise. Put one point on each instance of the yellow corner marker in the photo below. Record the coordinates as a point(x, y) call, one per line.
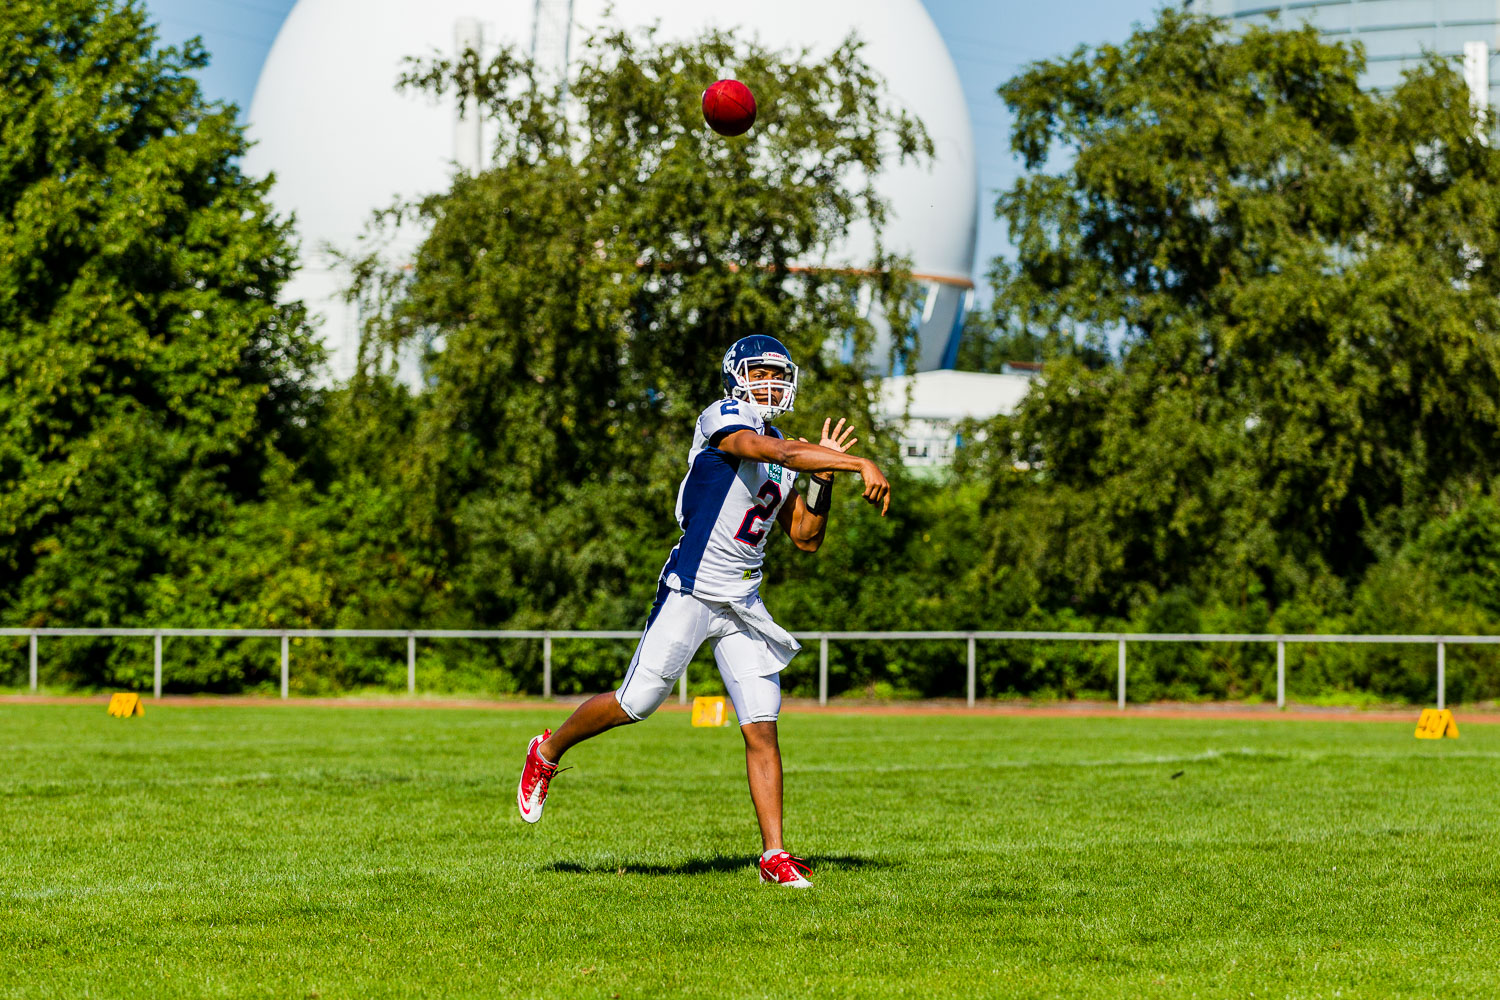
point(123, 705)
point(709, 712)
point(1434, 724)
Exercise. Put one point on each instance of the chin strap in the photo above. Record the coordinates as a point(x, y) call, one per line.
point(819, 495)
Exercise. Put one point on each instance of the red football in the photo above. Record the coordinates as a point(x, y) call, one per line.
point(729, 107)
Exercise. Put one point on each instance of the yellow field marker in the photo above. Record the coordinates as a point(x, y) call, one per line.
point(1435, 724)
point(709, 712)
point(124, 705)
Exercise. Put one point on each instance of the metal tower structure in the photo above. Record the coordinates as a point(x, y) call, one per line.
point(468, 131)
point(1396, 34)
point(551, 26)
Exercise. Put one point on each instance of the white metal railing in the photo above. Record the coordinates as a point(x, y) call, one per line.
point(823, 638)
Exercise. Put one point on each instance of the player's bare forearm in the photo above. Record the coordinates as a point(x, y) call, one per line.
point(800, 456)
point(804, 456)
point(801, 525)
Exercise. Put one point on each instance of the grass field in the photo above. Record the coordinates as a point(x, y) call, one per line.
point(310, 852)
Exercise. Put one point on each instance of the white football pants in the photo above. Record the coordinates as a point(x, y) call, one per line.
point(678, 625)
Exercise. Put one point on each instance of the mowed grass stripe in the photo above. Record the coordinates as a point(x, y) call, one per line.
point(285, 851)
point(323, 776)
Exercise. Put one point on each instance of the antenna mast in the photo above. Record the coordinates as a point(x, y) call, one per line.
point(551, 26)
point(468, 136)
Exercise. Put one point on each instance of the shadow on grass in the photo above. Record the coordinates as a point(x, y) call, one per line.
point(705, 866)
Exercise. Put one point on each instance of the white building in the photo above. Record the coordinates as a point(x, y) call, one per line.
point(327, 120)
point(926, 408)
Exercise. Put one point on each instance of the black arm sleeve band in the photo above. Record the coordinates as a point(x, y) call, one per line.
point(819, 496)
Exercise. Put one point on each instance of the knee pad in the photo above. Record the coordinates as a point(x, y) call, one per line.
point(674, 633)
point(643, 692)
point(756, 699)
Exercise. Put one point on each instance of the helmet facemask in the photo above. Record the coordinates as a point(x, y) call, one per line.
point(781, 391)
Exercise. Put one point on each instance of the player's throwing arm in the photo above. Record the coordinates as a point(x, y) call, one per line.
point(804, 456)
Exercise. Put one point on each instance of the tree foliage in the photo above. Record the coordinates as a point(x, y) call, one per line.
point(1301, 277)
point(575, 297)
point(148, 374)
point(1266, 299)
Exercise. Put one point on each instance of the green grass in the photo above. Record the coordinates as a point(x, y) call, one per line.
point(327, 852)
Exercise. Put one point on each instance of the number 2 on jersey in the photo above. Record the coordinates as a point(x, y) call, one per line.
point(753, 527)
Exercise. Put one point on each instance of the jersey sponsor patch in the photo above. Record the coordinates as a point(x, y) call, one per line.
point(773, 473)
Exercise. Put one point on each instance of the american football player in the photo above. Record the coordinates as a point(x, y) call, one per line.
point(739, 483)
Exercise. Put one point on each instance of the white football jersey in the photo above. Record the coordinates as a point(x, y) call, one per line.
point(726, 508)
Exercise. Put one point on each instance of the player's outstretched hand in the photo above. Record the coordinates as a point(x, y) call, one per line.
point(838, 439)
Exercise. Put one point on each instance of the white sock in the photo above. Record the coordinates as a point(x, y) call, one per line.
point(770, 854)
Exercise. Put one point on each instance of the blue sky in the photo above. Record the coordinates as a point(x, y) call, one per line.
point(989, 39)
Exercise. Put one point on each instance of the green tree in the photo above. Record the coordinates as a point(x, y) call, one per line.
point(147, 372)
point(577, 296)
point(1301, 277)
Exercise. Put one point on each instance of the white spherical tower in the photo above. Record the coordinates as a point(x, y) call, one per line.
point(327, 120)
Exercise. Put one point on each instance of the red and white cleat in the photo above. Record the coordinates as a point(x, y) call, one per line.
point(785, 869)
point(531, 794)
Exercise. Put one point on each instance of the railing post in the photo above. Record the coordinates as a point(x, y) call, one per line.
point(547, 665)
point(1280, 674)
point(971, 670)
point(1122, 639)
point(823, 669)
point(411, 664)
point(1122, 675)
point(1442, 684)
